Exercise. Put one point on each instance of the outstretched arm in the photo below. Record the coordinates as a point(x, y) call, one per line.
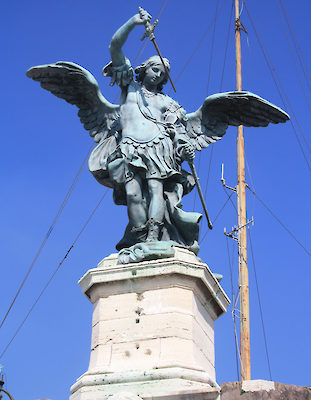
point(119, 38)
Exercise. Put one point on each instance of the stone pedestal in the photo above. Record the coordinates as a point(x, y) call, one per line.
point(153, 329)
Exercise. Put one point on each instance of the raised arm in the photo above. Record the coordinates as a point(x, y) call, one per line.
point(119, 38)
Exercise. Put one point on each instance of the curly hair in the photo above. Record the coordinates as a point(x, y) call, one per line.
point(140, 71)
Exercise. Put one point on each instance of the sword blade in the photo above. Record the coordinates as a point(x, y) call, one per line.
point(161, 58)
point(197, 183)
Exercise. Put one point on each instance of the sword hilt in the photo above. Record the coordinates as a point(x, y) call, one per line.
point(149, 27)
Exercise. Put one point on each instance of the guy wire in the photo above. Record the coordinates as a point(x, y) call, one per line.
point(144, 43)
point(53, 274)
point(233, 302)
point(283, 19)
point(64, 202)
point(209, 74)
point(279, 221)
point(41, 247)
point(212, 49)
point(226, 48)
point(259, 303)
point(303, 63)
point(199, 43)
point(279, 86)
point(217, 215)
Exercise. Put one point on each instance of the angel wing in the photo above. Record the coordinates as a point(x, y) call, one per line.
point(77, 86)
point(210, 122)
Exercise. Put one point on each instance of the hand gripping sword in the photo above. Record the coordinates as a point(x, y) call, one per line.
point(149, 33)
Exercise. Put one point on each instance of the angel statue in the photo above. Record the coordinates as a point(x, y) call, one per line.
point(143, 142)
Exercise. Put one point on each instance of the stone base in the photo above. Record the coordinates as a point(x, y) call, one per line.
point(169, 383)
point(153, 329)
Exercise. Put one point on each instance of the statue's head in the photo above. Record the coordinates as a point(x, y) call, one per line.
point(149, 63)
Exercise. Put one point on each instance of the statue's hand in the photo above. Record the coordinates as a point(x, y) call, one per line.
point(188, 152)
point(142, 18)
point(170, 129)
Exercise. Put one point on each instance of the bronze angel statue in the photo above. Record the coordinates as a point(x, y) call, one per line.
point(143, 142)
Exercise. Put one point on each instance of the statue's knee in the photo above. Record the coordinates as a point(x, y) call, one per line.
point(155, 188)
point(134, 198)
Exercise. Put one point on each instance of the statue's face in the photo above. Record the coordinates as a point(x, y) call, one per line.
point(154, 75)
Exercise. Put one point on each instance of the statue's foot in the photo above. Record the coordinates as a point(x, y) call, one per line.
point(140, 233)
point(154, 228)
point(146, 251)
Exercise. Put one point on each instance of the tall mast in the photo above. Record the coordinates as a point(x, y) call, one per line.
point(241, 201)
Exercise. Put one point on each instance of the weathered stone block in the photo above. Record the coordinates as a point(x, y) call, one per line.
point(152, 329)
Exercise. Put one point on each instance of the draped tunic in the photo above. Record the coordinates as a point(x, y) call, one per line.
point(154, 153)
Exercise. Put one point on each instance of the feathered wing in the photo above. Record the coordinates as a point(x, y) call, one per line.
point(77, 86)
point(210, 122)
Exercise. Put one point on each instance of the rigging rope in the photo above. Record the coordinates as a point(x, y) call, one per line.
point(279, 86)
point(212, 49)
point(260, 306)
point(199, 43)
point(209, 169)
point(229, 198)
point(253, 186)
point(220, 87)
point(41, 247)
point(279, 221)
point(195, 192)
point(233, 307)
point(62, 206)
point(144, 43)
point(208, 80)
point(66, 198)
point(226, 48)
point(53, 274)
point(293, 56)
point(219, 212)
point(297, 46)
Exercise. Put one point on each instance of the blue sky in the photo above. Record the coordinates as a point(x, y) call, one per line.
point(44, 144)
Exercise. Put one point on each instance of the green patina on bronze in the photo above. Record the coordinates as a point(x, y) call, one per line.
point(143, 142)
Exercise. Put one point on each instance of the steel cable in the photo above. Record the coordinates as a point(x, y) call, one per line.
point(65, 200)
point(283, 19)
point(297, 46)
point(208, 80)
point(63, 204)
point(233, 307)
point(52, 276)
point(226, 48)
point(260, 306)
point(219, 212)
point(279, 221)
point(279, 86)
point(212, 49)
point(58, 214)
point(199, 43)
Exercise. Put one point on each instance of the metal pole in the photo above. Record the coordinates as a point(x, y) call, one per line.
point(241, 199)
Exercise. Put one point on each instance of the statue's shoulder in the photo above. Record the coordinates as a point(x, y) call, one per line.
point(173, 107)
point(122, 75)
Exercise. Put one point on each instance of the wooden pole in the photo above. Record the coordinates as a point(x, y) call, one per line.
point(243, 269)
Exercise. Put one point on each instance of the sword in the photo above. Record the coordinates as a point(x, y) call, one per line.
point(149, 33)
point(197, 183)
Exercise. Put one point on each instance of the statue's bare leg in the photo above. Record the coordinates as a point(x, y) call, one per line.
point(135, 206)
point(156, 208)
